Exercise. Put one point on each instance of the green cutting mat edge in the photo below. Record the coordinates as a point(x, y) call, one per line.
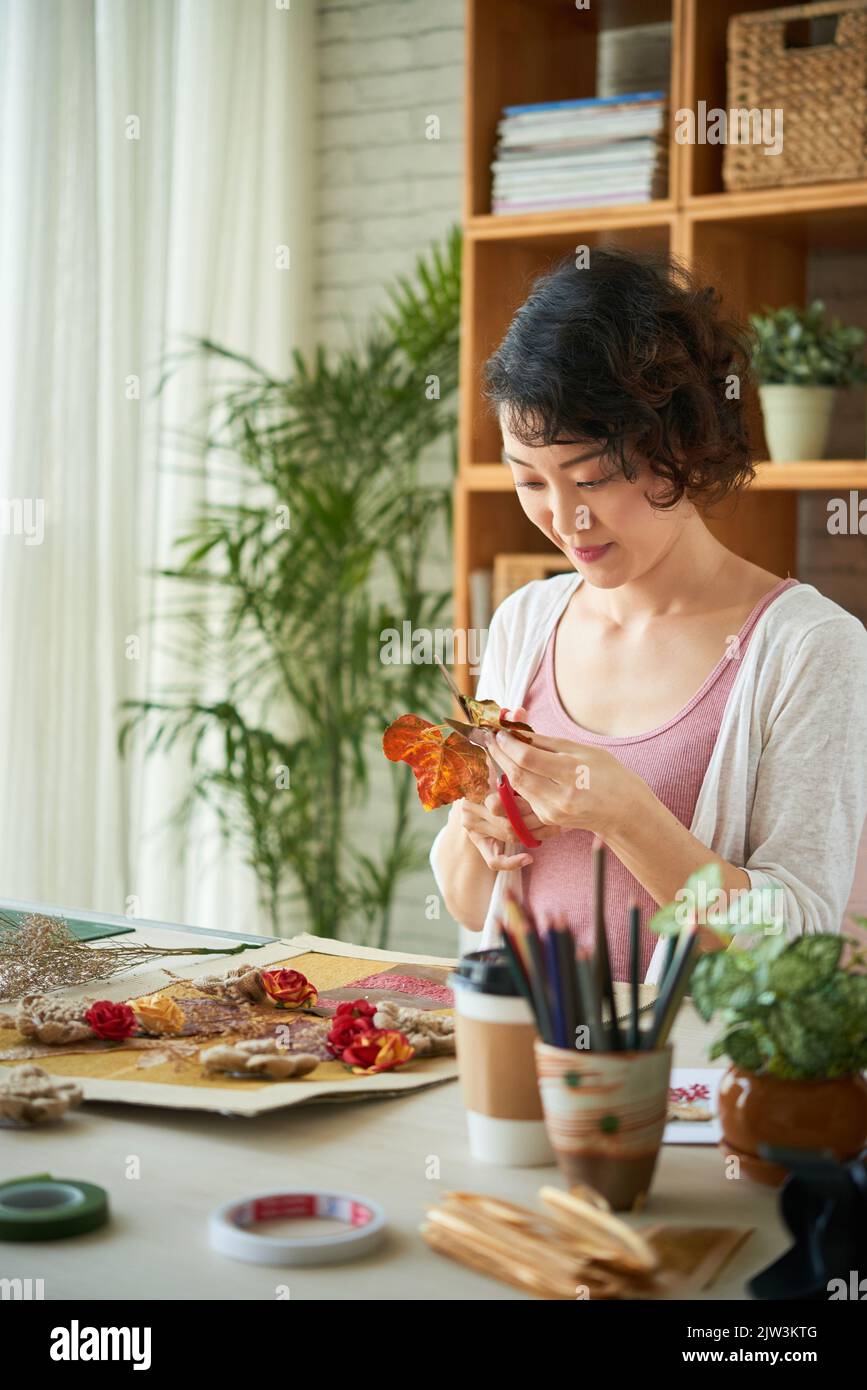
point(91, 931)
point(83, 931)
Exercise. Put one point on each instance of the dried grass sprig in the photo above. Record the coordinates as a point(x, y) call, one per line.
point(41, 954)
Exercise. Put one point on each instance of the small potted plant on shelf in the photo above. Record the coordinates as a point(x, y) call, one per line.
point(801, 359)
point(795, 1029)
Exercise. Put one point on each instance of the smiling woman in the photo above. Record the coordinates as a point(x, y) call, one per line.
point(690, 706)
point(629, 358)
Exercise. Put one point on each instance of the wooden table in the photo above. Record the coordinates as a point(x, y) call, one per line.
point(402, 1152)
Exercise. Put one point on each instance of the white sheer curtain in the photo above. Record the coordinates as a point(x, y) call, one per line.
point(154, 155)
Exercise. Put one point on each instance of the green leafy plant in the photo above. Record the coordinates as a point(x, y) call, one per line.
point(802, 347)
point(289, 590)
point(789, 1008)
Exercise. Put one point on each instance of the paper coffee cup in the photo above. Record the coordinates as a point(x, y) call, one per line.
point(495, 1033)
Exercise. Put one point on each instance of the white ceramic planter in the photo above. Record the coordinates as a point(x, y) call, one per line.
point(797, 421)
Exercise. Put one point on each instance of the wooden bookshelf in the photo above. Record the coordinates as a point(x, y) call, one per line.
point(755, 245)
point(818, 476)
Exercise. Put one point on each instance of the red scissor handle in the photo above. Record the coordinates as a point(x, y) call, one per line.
point(510, 806)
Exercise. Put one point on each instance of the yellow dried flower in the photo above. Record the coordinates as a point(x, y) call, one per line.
point(159, 1013)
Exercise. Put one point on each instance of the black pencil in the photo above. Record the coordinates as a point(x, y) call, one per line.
point(569, 981)
point(560, 1017)
point(539, 983)
point(602, 960)
point(634, 970)
point(590, 1000)
point(671, 947)
point(671, 996)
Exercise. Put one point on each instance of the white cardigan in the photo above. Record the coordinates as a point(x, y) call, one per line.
point(785, 792)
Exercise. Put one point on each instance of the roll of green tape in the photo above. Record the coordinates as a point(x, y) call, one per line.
point(45, 1208)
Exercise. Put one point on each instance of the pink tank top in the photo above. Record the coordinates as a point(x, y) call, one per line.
point(672, 760)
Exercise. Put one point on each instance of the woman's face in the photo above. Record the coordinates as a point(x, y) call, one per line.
point(603, 522)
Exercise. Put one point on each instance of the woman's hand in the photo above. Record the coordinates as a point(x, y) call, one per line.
point(488, 827)
point(572, 786)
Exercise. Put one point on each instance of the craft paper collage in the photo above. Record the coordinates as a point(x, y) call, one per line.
point(167, 1071)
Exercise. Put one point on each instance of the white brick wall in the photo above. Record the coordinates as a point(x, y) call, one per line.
point(384, 190)
point(384, 194)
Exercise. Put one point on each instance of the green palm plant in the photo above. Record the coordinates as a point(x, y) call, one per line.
point(293, 586)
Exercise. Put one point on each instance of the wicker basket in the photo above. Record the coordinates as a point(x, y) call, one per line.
point(511, 572)
point(821, 90)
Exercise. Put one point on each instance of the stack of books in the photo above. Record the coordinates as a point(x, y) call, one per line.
point(584, 153)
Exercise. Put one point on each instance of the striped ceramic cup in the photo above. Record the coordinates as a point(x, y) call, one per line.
point(605, 1113)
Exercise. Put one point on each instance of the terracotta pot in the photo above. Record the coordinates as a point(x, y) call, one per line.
point(824, 1114)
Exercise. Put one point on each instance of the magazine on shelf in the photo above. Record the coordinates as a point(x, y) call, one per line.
point(585, 152)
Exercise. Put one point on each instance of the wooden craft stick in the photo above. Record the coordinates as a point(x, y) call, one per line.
point(507, 1270)
point(582, 1215)
point(542, 1249)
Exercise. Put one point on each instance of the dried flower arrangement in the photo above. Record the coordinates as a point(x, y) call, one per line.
point(42, 954)
point(62, 1021)
point(367, 1038)
point(379, 1037)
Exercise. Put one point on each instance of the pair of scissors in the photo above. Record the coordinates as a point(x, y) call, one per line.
point(480, 738)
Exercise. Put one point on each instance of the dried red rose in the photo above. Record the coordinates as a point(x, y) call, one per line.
point(355, 1008)
point(288, 989)
point(382, 1049)
point(114, 1022)
point(352, 1019)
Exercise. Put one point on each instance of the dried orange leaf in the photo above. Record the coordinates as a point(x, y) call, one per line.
point(446, 767)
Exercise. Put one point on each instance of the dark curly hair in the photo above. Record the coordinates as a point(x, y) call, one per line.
point(634, 354)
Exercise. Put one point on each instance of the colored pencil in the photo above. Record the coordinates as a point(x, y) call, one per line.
point(539, 982)
point(569, 987)
point(634, 970)
point(671, 947)
point(590, 999)
point(556, 991)
point(516, 922)
point(569, 980)
point(524, 936)
point(671, 995)
point(602, 960)
point(515, 964)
